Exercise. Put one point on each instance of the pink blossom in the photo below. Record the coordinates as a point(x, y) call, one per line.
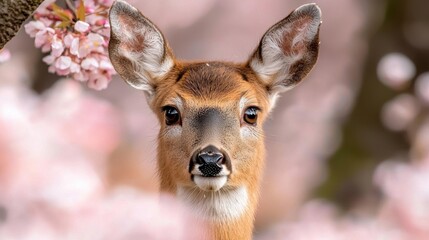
point(80, 48)
point(96, 39)
point(80, 76)
point(406, 190)
point(68, 40)
point(74, 46)
point(93, 43)
point(106, 2)
point(101, 22)
point(90, 64)
point(63, 62)
point(52, 162)
point(106, 65)
point(52, 69)
point(81, 26)
point(49, 59)
point(57, 46)
point(74, 67)
point(33, 27)
point(98, 81)
point(320, 221)
point(43, 39)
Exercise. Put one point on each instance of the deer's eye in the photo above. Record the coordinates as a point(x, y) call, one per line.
point(251, 115)
point(172, 115)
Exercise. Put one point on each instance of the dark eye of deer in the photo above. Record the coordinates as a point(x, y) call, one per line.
point(172, 115)
point(251, 115)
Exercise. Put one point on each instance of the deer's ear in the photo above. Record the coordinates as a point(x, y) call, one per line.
point(288, 50)
point(137, 48)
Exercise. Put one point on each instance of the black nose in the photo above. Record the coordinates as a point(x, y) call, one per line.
point(208, 155)
point(210, 160)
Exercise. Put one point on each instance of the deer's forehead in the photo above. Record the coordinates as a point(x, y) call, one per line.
point(212, 81)
point(214, 84)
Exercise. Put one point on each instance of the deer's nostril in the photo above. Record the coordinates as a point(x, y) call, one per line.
point(210, 160)
point(209, 157)
point(210, 163)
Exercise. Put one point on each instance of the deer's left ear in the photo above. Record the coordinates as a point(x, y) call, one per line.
point(137, 48)
point(288, 50)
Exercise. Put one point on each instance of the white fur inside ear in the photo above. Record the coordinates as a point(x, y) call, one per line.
point(285, 44)
point(308, 31)
point(149, 68)
point(137, 40)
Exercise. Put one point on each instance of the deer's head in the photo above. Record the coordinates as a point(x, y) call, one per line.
point(211, 113)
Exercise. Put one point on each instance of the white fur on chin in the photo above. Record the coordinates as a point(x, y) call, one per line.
point(210, 183)
point(225, 204)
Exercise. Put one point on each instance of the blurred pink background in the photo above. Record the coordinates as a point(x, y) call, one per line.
point(70, 156)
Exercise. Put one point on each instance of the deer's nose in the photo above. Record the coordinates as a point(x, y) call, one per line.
point(209, 156)
point(210, 160)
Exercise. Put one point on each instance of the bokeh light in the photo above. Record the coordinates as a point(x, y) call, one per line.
point(395, 70)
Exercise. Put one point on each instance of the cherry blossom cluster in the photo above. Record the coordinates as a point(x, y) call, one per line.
point(75, 38)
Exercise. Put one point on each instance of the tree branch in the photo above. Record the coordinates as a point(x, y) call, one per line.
point(13, 13)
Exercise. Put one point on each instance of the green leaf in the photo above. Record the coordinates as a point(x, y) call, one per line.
point(60, 12)
point(63, 24)
point(80, 12)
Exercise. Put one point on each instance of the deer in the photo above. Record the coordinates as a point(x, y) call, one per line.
point(211, 151)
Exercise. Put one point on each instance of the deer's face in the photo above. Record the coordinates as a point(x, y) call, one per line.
point(211, 118)
point(211, 113)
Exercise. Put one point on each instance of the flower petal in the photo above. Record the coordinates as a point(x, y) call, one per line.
point(81, 26)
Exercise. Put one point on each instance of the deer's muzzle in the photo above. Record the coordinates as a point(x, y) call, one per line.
point(209, 163)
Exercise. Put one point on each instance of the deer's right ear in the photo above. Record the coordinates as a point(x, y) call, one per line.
point(288, 50)
point(137, 48)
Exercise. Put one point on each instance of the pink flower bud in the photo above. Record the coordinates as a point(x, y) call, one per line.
point(49, 59)
point(89, 64)
point(63, 72)
point(57, 47)
point(89, 10)
point(81, 26)
point(52, 69)
point(74, 67)
point(74, 47)
point(44, 37)
point(101, 22)
point(34, 27)
point(96, 39)
point(106, 65)
point(80, 76)
point(98, 81)
point(68, 40)
point(63, 62)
